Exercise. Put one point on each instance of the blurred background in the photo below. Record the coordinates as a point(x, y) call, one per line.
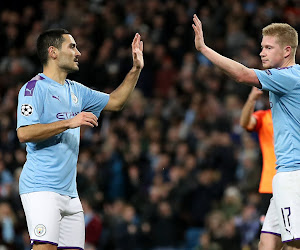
point(173, 170)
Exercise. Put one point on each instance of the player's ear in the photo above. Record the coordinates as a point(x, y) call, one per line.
point(52, 52)
point(287, 51)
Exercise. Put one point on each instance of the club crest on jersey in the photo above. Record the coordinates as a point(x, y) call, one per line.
point(40, 230)
point(74, 98)
point(26, 109)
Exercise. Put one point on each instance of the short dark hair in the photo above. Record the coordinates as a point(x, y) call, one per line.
point(52, 37)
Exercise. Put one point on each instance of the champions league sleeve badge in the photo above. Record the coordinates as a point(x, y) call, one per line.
point(268, 72)
point(26, 109)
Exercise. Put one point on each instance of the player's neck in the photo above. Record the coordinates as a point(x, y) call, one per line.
point(56, 75)
point(288, 62)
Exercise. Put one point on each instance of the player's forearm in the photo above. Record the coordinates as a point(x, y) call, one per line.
point(247, 112)
point(40, 132)
point(233, 69)
point(121, 94)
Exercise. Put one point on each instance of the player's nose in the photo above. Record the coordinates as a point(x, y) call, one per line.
point(262, 53)
point(77, 52)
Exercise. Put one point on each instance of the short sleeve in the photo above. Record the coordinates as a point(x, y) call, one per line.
point(279, 81)
point(93, 101)
point(30, 104)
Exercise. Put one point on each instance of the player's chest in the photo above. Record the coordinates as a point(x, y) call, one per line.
point(61, 104)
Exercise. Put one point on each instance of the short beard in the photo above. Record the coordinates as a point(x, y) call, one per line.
point(69, 70)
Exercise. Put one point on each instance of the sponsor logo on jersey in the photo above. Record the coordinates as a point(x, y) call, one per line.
point(66, 115)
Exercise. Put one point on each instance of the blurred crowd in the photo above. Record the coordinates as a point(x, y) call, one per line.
point(173, 170)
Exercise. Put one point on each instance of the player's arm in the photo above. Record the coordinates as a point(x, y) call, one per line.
point(119, 96)
point(40, 132)
point(235, 70)
point(247, 120)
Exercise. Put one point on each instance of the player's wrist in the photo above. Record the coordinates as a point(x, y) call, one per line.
point(252, 99)
point(67, 123)
point(203, 48)
point(135, 69)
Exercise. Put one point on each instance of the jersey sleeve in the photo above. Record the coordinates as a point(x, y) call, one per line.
point(93, 101)
point(30, 105)
point(279, 81)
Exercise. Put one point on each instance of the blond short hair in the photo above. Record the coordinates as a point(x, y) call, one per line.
point(285, 33)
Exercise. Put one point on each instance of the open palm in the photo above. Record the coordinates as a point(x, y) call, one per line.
point(137, 52)
point(197, 26)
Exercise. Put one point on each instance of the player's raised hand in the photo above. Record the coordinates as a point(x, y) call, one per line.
point(84, 118)
point(199, 39)
point(255, 93)
point(137, 52)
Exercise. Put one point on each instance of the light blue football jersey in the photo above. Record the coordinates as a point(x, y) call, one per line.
point(51, 164)
point(283, 85)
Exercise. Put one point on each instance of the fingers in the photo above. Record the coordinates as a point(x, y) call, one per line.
point(136, 43)
point(137, 51)
point(92, 122)
point(257, 90)
point(141, 45)
point(255, 93)
point(135, 39)
point(89, 119)
point(93, 119)
point(197, 26)
point(197, 21)
point(195, 29)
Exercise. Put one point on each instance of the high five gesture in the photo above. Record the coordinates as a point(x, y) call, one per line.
point(199, 39)
point(137, 52)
